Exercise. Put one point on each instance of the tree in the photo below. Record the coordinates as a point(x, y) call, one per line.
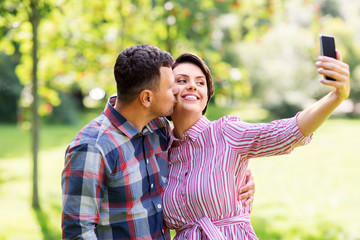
point(17, 14)
point(34, 17)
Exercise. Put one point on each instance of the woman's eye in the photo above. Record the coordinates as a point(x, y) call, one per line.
point(181, 80)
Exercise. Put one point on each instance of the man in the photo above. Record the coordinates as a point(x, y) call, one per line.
point(117, 165)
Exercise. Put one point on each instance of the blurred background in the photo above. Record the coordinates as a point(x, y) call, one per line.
point(56, 73)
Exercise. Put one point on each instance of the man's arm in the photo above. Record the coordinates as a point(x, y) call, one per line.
point(312, 117)
point(82, 191)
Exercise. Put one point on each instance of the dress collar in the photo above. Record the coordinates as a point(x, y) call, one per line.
point(191, 134)
point(197, 128)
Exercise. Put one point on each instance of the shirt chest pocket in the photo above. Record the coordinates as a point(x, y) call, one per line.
point(133, 181)
point(161, 167)
point(129, 182)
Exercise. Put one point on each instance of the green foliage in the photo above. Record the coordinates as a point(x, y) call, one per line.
point(330, 7)
point(64, 113)
point(249, 112)
point(10, 89)
point(282, 109)
point(272, 43)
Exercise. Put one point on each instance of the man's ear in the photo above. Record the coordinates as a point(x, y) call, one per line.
point(146, 97)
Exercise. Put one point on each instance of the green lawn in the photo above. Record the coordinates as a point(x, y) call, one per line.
point(311, 194)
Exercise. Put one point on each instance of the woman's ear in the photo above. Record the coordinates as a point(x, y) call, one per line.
point(146, 97)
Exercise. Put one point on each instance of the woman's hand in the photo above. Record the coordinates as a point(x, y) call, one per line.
point(313, 116)
point(338, 70)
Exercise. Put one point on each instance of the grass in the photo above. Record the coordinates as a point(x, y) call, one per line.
point(313, 192)
point(309, 194)
point(20, 220)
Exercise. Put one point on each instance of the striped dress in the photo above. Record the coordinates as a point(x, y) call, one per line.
point(207, 168)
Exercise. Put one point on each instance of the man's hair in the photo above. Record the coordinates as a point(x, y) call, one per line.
point(194, 59)
point(138, 68)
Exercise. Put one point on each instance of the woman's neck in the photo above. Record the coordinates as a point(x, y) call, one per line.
point(183, 122)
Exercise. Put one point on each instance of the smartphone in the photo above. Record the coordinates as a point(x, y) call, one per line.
point(327, 44)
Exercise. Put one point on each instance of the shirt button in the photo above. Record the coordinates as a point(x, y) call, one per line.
point(159, 206)
point(152, 185)
point(147, 161)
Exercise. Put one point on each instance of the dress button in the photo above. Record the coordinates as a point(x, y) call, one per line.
point(159, 206)
point(152, 185)
point(147, 161)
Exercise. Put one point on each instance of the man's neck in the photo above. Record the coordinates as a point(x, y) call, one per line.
point(134, 113)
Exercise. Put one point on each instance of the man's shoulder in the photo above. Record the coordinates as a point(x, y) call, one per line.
point(160, 122)
point(90, 133)
point(161, 126)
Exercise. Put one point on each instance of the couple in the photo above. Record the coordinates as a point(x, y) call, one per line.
point(119, 181)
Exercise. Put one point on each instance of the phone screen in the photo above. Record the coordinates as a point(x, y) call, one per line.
point(328, 48)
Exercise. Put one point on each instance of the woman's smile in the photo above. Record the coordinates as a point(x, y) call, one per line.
point(190, 97)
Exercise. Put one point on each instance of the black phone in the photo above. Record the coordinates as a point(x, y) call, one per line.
point(327, 44)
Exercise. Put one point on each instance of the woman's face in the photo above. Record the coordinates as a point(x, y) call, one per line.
point(191, 82)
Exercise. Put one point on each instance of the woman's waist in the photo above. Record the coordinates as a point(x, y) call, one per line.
point(183, 214)
point(220, 222)
point(216, 229)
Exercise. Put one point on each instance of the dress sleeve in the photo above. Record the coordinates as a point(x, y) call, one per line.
point(263, 139)
point(82, 191)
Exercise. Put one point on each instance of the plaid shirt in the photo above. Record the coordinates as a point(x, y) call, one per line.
point(114, 178)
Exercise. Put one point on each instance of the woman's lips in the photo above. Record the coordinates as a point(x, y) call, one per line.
point(190, 97)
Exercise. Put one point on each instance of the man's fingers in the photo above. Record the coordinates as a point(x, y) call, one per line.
point(247, 187)
point(247, 194)
point(249, 201)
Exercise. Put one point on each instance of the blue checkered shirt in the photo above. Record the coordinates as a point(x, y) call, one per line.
point(114, 178)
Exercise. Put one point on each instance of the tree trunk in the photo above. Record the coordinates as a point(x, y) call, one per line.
point(168, 39)
point(34, 19)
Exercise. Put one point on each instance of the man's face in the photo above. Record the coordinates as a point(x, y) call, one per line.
point(165, 100)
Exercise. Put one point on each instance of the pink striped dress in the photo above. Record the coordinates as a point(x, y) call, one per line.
point(207, 168)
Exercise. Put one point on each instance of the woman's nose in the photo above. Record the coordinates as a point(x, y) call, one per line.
point(191, 86)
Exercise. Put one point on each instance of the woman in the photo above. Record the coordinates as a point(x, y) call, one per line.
point(208, 159)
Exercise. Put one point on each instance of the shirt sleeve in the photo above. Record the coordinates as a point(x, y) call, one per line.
point(263, 139)
point(82, 191)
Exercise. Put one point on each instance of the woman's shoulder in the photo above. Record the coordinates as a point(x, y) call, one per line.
point(227, 119)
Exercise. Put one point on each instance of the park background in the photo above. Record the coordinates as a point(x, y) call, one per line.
point(56, 72)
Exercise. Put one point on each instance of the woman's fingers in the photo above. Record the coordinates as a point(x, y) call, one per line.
point(337, 70)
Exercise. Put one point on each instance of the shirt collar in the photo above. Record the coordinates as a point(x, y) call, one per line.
point(121, 123)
